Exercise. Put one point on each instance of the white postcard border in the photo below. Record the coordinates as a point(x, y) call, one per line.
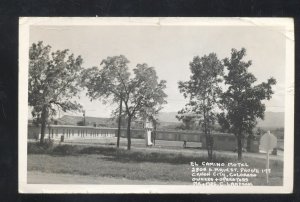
point(26, 22)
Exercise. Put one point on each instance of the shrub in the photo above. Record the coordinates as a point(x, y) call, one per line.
point(40, 148)
point(98, 150)
point(48, 144)
point(64, 150)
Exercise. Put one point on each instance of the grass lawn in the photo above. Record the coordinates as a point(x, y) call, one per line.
point(132, 165)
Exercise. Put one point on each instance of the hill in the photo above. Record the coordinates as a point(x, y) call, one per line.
point(272, 119)
point(168, 119)
point(74, 120)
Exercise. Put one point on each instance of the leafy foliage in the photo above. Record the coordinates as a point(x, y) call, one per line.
point(144, 95)
point(54, 79)
point(202, 90)
point(242, 101)
point(38, 148)
point(188, 122)
point(107, 83)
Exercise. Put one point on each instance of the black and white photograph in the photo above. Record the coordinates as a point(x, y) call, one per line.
point(156, 105)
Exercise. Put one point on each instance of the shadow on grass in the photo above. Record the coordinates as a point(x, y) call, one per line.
point(125, 156)
point(192, 148)
point(122, 155)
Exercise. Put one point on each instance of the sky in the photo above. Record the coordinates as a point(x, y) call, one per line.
point(170, 49)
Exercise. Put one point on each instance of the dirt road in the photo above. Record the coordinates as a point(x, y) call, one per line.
point(36, 177)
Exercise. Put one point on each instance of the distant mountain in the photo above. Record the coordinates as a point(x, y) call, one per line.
point(272, 119)
point(168, 117)
point(74, 120)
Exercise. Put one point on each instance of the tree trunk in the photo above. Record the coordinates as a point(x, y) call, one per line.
point(211, 141)
point(43, 124)
point(209, 146)
point(208, 137)
point(119, 124)
point(128, 133)
point(240, 148)
point(154, 134)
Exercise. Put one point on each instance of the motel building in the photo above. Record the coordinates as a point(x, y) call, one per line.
point(222, 141)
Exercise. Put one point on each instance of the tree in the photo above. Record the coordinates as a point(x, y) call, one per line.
point(203, 90)
point(113, 83)
point(242, 101)
point(155, 123)
point(54, 79)
point(108, 82)
point(143, 95)
point(189, 121)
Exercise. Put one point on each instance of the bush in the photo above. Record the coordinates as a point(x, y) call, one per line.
point(64, 150)
point(98, 150)
point(40, 148)
point(48, 144)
